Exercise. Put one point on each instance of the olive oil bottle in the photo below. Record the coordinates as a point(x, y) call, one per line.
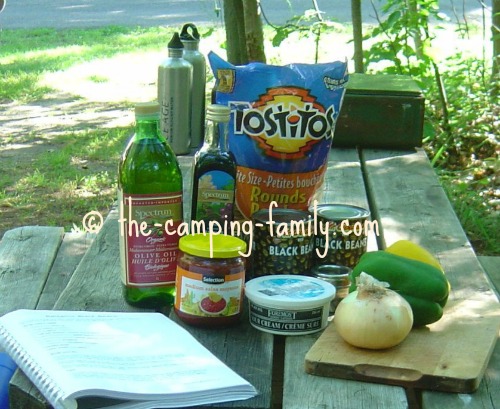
point(214, 174)
point(150, 205)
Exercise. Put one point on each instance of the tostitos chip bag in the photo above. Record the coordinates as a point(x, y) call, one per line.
point(281, 128)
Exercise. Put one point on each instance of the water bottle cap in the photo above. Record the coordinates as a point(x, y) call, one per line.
point(218, 112)
point(175, 42)
point(147, 108)
point(187, 36)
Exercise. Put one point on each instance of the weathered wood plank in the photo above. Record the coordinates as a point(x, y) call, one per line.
point(492, 267)
point(248, 352)
point(486, 397)
point(412, 205)
point(70, 253)
point(26, 257)
point(304, 391)
point(343, 179)
point(343, 184)
point(23, 394)
point(488, 394)
point(74, 245)
point(96, 285)
point(23, 276)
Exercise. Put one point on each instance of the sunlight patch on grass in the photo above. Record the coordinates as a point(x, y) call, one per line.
point(77, 175)
point(98, 78)
point(35, 179)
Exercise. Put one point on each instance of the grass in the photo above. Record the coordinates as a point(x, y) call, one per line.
point(72, 174)
point(55, 178)
point(26, 55)
point(481, 225)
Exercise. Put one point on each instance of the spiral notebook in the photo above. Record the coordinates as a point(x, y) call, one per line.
point(81, 359)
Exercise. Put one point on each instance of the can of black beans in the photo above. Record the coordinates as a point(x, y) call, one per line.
point(283, 241)
point(341, 233)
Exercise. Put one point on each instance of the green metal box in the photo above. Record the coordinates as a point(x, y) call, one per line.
point(380, 111)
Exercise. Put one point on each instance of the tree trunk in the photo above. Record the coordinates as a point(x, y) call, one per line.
point(495, 31)
point(244, 34)
point(235, 32)
point(254, 35)
point(414, 27)
point(357, 35)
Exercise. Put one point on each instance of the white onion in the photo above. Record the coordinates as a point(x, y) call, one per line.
point(373, 316)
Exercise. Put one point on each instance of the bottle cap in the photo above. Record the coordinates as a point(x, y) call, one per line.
point(219, 113)
point(175, 42)
point(194, 35)
point(147, 108)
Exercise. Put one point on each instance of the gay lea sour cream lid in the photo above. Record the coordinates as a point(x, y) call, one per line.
point(289, 304)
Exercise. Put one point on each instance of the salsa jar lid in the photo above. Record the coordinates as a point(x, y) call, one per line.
point(340, 211)
point(212, 245)
point(289, 291)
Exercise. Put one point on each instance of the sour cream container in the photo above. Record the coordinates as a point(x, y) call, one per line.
point(289, 304)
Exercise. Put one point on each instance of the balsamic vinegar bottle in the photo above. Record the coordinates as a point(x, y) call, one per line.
point(149, 195)
point(191, 39)
point(214, 174)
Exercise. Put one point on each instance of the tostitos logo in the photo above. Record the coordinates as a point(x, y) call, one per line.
point(286, 122)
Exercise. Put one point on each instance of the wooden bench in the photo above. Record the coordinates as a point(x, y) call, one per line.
point(43, 267)
point(26, 284)
point(488, 394)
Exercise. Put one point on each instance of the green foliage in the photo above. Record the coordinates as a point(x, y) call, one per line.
point(403, 38)
point(472, 196)
point(473, 115)
point(309, 24)
point(462, 110)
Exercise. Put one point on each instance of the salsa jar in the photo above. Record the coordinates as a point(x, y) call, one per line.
point(210, 280)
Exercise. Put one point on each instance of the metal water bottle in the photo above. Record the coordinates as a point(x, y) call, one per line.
point(191, 39)
point(174, 96)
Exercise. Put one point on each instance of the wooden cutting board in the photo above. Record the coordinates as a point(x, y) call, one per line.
point(450, 355)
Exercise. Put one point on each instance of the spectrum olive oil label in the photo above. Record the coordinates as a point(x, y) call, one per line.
point(281, 128)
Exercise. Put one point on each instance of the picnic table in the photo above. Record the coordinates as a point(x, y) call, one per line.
point(44, 267)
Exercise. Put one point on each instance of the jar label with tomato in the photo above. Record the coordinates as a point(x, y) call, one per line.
point(208, 295)
point(149, 252)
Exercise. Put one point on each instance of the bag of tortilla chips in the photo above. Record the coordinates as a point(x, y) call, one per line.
point(281, 128)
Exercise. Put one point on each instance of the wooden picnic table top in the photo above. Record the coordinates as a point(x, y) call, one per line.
point(44, 268)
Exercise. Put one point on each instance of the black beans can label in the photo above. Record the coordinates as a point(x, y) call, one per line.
point(285, 247)
point(346, 239)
